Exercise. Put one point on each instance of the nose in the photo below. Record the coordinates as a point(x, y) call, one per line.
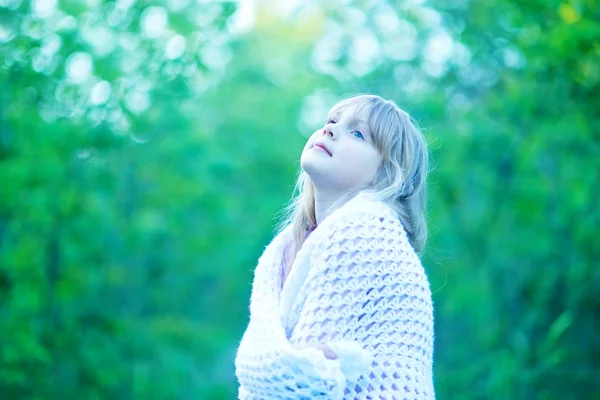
point(327, 131)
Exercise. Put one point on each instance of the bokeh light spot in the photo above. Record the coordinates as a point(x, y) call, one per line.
point(100, 93)
point(79, 67)
point(154, 22)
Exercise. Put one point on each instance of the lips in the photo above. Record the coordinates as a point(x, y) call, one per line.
point(321, 145)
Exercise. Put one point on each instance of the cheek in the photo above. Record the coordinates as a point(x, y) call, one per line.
point(364, 167)
point(311, 140)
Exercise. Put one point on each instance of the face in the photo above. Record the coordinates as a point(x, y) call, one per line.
point(342, 155)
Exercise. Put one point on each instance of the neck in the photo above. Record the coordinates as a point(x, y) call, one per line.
point(323, 203)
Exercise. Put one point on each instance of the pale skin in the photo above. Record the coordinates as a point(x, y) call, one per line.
point(349, 160)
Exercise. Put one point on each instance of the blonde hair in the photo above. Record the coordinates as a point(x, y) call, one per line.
point(400, 181)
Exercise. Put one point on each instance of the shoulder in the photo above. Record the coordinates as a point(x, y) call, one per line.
point(276, 247)
point(364, 219)
point(367, 216)
point(367, 223)
point(368, 239)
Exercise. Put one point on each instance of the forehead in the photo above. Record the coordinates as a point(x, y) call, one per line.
point(352, 109)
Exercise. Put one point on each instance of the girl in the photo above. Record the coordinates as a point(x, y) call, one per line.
point(341, 306)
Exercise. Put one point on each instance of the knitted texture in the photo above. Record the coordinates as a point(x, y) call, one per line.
point(356, 286)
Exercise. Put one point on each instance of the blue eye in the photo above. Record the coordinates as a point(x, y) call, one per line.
point(359, 133)
point(330, 121)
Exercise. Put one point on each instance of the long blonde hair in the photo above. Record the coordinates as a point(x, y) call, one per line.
point(400, 181)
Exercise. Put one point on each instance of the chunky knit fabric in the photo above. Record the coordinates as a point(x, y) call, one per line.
point(356, 286)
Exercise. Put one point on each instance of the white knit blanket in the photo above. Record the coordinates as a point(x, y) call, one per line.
point(356, 286)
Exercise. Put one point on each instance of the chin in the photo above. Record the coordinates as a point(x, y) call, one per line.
point(309, 164)
point(314, 166)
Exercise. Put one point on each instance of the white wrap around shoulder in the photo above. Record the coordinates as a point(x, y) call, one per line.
point(356, 286)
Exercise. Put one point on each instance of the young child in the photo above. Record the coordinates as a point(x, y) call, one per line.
point(341, 306)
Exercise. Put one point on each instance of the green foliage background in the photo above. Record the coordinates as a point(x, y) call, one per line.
point(140, 180)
